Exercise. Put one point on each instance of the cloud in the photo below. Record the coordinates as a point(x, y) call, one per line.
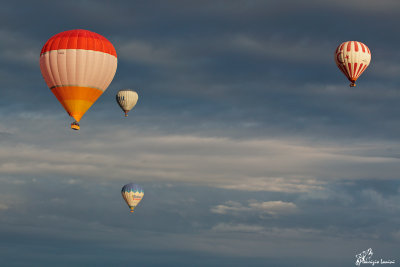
point(142, 52)
point(368, 5)
point(387, 67)
point(223, 227)
point(276, 184)
point(387, 204)
point(269, 232)
point(3, 206)
point(396, 235)
point(15, 48)
point(265, 164)
point(304, 50)
point(273, 207)
point(268, 207)
point(230, 206)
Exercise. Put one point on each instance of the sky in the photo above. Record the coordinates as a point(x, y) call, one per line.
point(250, 146)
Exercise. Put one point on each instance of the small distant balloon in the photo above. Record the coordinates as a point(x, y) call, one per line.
point(127, 99)
point(132, 194)
point(352, 58)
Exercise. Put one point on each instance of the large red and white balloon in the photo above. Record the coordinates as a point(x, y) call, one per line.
point(78, 66)
point(352, 58)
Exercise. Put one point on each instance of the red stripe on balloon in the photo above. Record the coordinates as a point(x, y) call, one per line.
point(79, 39)
point(343, 69)
point(355, 71)
point(363, 69)
point(359, 69)
point(363, 47)
point(350, 73)
point(356, 46)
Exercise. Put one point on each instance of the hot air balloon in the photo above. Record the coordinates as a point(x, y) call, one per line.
point(132, 194)
point(126, 99)
point(78, 66)
point(352, 58)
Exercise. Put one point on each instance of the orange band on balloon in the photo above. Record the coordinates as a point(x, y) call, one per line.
point(76, 100)
point(76, 92)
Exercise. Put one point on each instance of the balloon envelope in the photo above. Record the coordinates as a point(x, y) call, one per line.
point(352, 58)
point(78, 66)
point(127, 99)
point(132, 194)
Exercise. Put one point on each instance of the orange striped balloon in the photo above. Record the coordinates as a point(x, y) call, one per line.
point(352, 58)
point(78, 66)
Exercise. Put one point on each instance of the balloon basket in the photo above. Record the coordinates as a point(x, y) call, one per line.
point(75, 126)
point(352, 85)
